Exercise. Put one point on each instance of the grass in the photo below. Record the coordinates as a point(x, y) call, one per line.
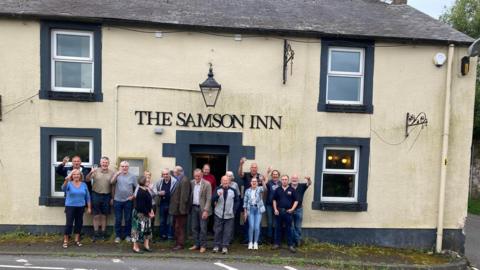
point(474, 206)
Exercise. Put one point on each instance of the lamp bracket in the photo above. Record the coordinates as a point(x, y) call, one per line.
point(415, 120)
point(288, 55)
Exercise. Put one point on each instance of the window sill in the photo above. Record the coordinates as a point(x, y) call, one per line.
point(51, 201)
point(346, 207)
point(71, 96)
point(347, 108)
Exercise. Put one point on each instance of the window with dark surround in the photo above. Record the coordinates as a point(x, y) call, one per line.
point(55, 144)
point(346, 76)
point(341, 174)
point(71, 61)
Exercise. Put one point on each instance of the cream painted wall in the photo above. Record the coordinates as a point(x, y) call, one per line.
point(403, 179)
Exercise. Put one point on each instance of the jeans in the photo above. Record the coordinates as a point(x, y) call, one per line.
point(123, 210)
point(284, 218)
point(166, 220)
point(254, 220)
point(297, 225)
point(270, 219)
point(74, 215)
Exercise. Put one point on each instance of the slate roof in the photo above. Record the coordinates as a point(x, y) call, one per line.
point(316, 18)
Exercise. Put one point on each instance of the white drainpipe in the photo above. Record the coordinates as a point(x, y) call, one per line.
point(444, 163)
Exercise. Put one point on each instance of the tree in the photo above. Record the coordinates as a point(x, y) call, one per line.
point(464, 16)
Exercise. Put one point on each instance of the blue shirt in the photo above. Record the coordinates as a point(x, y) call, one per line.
point(76, 196)
point(271, 187)
point(285, 198)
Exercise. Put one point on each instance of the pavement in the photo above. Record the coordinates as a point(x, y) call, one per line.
point(85, 263)
point(472, 242)
point(47, 253)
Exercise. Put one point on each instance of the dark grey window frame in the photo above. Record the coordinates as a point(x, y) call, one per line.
point(46, 135)
point(367, 106)
point(364, 145)
point(46, 92)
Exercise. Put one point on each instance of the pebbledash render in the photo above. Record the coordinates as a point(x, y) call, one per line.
point(315, 88)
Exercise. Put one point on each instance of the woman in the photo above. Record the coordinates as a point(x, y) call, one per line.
point(77, 196)
point(254, 208)
point(149, 185)
point(141, 217)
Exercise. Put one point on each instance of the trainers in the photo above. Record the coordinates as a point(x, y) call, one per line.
point(117, 240)
point(193, 247)
point(215, 249)
point(292, 249)
point(250, 245)
point(224, 250)
point(255, 245)
point(128, 239)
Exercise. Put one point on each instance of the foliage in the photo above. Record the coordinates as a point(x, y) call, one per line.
point(474, 206)
point(464, 16)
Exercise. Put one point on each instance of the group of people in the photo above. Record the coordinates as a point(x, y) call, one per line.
point(175, 198)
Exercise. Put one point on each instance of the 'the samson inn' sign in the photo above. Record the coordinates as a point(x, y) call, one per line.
point(215, 120)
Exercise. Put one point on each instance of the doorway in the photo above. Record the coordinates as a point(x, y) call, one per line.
point(218, 163)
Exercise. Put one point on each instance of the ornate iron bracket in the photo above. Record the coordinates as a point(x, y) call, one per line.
point(415, 120)
point(288, 55)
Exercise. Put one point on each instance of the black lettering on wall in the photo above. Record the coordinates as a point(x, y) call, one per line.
point(140, 116)
point(274, 121)
point(236, 120)
point(181, 119)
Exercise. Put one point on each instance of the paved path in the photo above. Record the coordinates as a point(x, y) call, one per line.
point(65, 263)
point(472, 243)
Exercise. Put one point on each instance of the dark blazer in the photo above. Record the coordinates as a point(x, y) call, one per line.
point(205, 195)
point(180, 202)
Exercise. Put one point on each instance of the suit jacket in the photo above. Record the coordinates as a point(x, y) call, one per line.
point(180, 202)
point(205, 195)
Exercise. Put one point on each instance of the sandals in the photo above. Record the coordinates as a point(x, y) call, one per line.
point(78, 244)
point(65, 244)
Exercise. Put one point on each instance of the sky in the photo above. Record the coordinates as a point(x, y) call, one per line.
point(433, 8)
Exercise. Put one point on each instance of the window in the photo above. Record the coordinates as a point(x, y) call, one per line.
point(55, 144)
point(341, 171)
point(340, 174)
point(69, 146)
point(70, 61)
point(346, 77)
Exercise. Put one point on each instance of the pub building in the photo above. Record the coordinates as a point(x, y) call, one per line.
point(372, 99)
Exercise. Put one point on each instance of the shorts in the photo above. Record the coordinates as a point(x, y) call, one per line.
point(101, 203)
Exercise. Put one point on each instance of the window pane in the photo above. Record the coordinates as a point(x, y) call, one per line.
point(340, 159)
point(71, 74)
point(72, 148)
point(345, 61)
point(58, 182)
point(344, 88)
point(338, 185)
point(73, 45)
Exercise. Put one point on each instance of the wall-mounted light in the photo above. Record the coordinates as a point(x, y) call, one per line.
point(210, 89)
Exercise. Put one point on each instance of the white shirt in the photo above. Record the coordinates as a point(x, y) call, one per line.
point(196, 193)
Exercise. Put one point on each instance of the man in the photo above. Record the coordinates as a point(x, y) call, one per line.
point(209, 177)
point(101, 196)
point(298, 213)
point(226, 201)
point(239, 210)
point(284, 203)
point(246, 179)
point(76, 164)
point(164, 189)
point(233, 184)
point(180, 206)
point(272, 185)
point(125, 184)
point(201, 209)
